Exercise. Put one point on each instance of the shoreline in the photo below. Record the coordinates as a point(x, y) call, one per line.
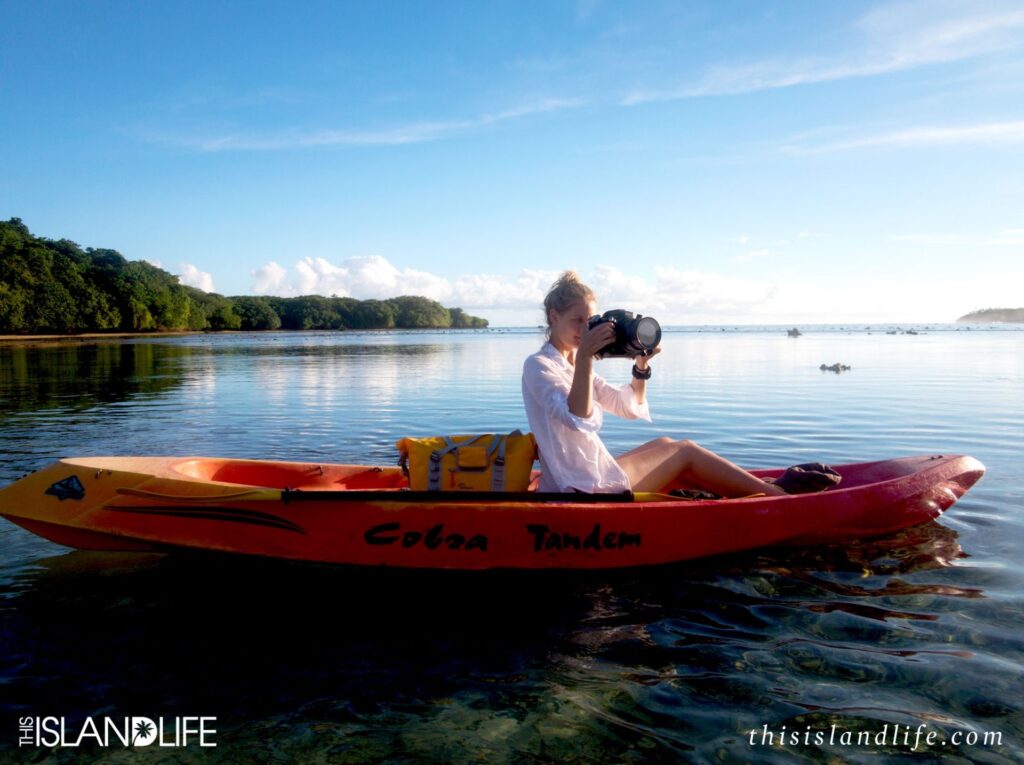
point(85, 337)
point(92, 337)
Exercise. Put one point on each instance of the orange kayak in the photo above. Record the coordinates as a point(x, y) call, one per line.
point(364, 515)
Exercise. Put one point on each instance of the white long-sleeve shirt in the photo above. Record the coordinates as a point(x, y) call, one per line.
point(572, 455)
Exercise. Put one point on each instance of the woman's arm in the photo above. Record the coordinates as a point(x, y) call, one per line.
point(628, 400)
point(640, 386)
point(581, 393)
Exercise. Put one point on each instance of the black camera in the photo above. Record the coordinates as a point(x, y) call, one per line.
point(635, 334)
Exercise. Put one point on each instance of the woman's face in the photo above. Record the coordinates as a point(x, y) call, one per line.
point(569, 325)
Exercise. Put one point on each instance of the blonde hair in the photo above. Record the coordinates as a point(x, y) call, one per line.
point(564, 293)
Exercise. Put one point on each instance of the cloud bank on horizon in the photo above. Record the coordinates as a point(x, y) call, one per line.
point(673, 295)
point(757, 163)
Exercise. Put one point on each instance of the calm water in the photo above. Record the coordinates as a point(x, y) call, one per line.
point(314, 664)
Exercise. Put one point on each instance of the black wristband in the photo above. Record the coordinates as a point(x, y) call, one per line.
point(641, 374)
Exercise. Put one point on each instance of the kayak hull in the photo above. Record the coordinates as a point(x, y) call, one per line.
point(363, 515)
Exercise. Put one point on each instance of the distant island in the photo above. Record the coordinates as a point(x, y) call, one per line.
point(1015, 315)
point(56, 287)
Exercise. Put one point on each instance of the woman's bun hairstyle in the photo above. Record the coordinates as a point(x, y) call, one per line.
point(564, 293)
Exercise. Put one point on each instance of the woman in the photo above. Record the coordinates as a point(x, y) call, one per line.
point(565, 401)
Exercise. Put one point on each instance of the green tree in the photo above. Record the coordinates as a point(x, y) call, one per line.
point(217, 311)
point(415, 312)
point(56, 286)
point(462, 320)
point(13, 301)
point(374, 314)
point(256, 313)
point(224, 317)
point(310, 312)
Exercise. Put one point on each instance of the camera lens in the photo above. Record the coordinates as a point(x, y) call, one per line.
point(648, 332)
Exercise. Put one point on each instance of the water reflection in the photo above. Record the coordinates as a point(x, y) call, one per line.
point(301, 660)
point(304, 663)
point(75, 377)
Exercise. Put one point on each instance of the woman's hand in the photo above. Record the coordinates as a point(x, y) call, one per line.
point(641, 361)
point(640, 386)
point(593, 340)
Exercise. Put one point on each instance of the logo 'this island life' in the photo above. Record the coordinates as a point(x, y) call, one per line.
point(173, 732)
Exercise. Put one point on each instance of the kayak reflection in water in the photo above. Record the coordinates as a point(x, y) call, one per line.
point(565, 400)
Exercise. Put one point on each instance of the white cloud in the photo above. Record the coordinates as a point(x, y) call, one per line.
point(318, 277)
point(358, 277)
point(193, 277)
point(688, 292)
point(743, 239)
point(676, 296)
point(752, 255)
point(895, 37)
point(419, 132)
point(268, 279)
point(617, 289)
point(986, 134)
point(1007, 237)
point(367, 277)
point(673, 296)
point(156, 263)
point(523, 291)
point(872, 301)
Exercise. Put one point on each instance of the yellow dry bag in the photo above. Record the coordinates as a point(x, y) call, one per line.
point(487, 462)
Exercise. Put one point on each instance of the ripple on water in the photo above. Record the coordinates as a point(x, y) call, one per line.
point(674, 664)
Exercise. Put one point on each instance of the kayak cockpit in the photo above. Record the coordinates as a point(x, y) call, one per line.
point(269, 474)
point(264, 474)
point(293, 475)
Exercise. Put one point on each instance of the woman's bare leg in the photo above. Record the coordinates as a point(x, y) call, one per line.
point(654, 465)
point(658, 443)
point(655, 444)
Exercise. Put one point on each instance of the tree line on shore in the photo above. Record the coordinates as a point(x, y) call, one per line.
point(54, 286)
point(1012, 315)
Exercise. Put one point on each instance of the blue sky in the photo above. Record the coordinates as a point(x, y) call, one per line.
point(705, 162)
